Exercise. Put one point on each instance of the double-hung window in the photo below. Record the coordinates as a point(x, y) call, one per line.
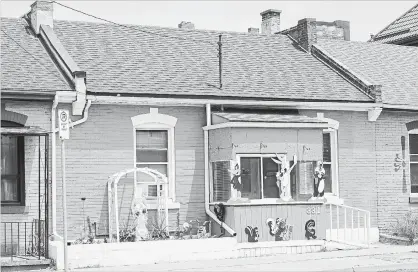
point(154, 148)
point(413, 160)
point(152, 152)
point(330, 161)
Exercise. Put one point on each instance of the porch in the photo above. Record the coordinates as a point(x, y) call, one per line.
point(25, 197)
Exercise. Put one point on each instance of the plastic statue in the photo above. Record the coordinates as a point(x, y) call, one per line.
point(283, 176)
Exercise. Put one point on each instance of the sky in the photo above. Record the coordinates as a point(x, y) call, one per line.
point(366, 17)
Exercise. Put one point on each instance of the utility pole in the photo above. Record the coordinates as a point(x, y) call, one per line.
point(220, 60)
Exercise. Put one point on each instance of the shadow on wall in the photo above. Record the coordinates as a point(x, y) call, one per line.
point(195, 208)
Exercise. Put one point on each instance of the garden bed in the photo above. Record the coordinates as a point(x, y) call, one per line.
point(397, 240)
point(142, 252)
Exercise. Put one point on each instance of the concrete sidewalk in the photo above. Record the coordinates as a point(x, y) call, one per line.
point(379, 258)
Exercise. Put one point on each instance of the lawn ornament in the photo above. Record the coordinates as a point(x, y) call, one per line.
point(252, 234)
point(279, 229)
point(140, 213)
point(236, 175)
point(283, 175)
point(319, 181)
point(310, 229)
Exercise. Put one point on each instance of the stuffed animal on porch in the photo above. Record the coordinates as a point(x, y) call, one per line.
point(140, 212)
point(310, 229)
point(279, 229)
point(235, 180)
point(283, 176)
point(252, 234)
point(319, 180)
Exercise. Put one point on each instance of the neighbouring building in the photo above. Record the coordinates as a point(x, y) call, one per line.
point(287, 115)
point(402, 31)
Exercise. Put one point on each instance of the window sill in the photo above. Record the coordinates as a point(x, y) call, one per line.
point(151, 205)
point(333, 199)
point(14, 209)
point(413, 199)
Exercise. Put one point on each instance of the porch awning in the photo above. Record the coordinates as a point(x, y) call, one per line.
point(269, 118)
point(24, 131)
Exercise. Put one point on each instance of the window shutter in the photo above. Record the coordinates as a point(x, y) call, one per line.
point(221, 181)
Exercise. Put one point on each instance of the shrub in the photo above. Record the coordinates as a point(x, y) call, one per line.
point(407, 226)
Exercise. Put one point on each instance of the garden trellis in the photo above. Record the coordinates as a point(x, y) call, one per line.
point(159, 179)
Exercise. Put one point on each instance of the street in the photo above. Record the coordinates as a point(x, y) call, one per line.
point(354, 260)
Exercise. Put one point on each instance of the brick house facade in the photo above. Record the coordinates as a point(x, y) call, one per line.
point(124, 78)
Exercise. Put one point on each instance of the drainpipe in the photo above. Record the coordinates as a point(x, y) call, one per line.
point(54, 130)
point(208, 211)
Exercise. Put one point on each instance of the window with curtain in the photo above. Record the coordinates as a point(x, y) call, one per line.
point(152, 151)
point(326, 153)
point(413, 161)
point(12, 168)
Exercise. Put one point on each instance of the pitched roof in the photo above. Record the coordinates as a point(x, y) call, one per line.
point(402, 29)
point(130, 60)
point(395, 67)
point(25, 64)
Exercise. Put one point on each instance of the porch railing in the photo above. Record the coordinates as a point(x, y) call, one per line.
point(348, 225)
point(24, 239)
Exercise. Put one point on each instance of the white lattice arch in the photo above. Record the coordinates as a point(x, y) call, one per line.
point(112, 186)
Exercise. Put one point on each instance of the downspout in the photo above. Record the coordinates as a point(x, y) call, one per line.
point(207, 193)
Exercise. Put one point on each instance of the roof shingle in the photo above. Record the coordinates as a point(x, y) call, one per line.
point(395, 67)
point(20, 71)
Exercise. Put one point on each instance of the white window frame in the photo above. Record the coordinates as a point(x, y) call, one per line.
point(157, 121)
point(414, 131)
point(237, 194)
point(334, 162)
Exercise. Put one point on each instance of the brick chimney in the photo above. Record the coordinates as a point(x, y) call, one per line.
point(308, 31)
point(41, 14)
point(186, 25)
point(270, 21)
point(253, 30)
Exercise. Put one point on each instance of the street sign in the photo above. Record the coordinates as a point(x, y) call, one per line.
point(64, 124)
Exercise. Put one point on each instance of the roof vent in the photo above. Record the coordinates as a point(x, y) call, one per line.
point(186, 25)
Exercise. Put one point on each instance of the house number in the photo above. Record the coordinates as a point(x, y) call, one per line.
point(313, 210)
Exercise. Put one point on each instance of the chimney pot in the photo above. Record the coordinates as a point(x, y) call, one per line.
point(41, 14)
point(186, 25)
point(253, 30)
point(270, 21)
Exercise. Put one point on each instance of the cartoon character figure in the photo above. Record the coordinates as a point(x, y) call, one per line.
point(252, 234)
point(283, 176)
point(279, 229)
point(236, 174)
point(310, 229)
point(319, 180)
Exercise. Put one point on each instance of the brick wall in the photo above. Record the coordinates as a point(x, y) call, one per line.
point(103, 146)
point(394, 190)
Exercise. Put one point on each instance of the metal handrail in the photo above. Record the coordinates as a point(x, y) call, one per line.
point(365, 215)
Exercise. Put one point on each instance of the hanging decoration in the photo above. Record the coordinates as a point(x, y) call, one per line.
point(283, 175)
point(310, 229)
point(252, 234)
point(279, 229)
point(236, 175)
point(319, 181)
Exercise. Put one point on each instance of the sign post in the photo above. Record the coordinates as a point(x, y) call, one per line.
point(64, 134)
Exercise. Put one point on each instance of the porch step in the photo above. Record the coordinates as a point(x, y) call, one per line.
point(283, 247)
point(23, 264)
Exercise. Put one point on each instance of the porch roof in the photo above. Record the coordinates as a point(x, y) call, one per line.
point(24, 131)
point(268, 118)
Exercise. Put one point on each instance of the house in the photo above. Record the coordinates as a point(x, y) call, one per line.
point(402, 31)
point(252, 121)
